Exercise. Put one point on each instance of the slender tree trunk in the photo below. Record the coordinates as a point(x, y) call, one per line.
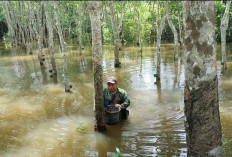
point(53, 71)
point(9, 20)
point(117, 27)
point(152, 40)
point(94, 12)
point(160, 27)
point(40, 43)
point(158, 42)
point(173, 30)
point(63, 50)
point(203, 127)
point(14, 23)
point(224, 26)
point(139, 32)
point(79, 25)
point(180, 31)
point(33, 20)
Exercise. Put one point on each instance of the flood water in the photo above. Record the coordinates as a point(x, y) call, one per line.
point(38, 119)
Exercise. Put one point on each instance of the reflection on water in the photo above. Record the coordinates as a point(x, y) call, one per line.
point(38, 119)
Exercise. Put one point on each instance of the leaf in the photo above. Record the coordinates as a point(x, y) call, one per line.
point(225, 141)
point(117, 150)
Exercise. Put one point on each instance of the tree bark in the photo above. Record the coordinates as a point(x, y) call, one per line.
point(159, 31)
point(79, 27)
point(33, 28)
point(117, 27)
point(40, 43)
point(139, 30)
point(50, 40)
point(203, 127)
point(9, 20)
point(21, 22)
point(94, 12)
point(180, 31)
point(173, 31)
point(224, 26)
point(63, 49)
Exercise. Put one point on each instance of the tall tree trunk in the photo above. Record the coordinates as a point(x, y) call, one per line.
point(33, 20)
point(9, 20)
point(152, 40)
point(63, 50)
point(53, 71)
point(203, 127)
point(117, 27)
point(180, 31)
point(139, 31)
point(224, 26)
point(79, 25)
point(94, 12)
point(21, 22)
point(160, 27)
point(40, 43)
point(173, 31)
point(15, 23)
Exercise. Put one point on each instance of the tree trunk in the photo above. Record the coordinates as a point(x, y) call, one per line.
point(21, 22)
point(152, 39)
point(117, 27)
point(53, 71)
point(160, 27)
point(94, 12)
point(173, 30)
point(224, 26)
point(63, 49)
point(16, 25)
point(33, 21)
point(40, 43)
point(79, 27)
point(180, 31)
point(139, 32)
point(203, 127)
point(9, 20)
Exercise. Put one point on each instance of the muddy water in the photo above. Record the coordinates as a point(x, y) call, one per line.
point(38, 119)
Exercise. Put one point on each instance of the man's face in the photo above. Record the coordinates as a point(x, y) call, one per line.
point(112, 87)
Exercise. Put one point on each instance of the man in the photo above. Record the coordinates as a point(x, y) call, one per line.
point(116, 96)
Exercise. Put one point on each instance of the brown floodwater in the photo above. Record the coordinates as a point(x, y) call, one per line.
point(38, 119)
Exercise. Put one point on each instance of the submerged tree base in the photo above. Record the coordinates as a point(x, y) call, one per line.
point(100, 128)
point(202, 118)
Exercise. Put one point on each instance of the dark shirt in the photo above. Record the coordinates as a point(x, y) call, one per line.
point(120, 97)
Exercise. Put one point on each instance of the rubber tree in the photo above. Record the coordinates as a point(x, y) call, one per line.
point(40, 34)
point(79, 26)
point(139, 29)
point(117, 28)
point(94, 13)
point(173, 28)
point(224, 26)
point(10, 23)
point(63, 49)
point(203, 127)
point(159, 30)
point(53, 70)
point(180, 30)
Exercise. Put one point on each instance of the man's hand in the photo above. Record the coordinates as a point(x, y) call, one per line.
point(119, 106)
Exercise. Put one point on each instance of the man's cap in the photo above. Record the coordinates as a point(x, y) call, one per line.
point(112, 80)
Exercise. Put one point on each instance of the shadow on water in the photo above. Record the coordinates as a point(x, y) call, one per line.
point(38, 119)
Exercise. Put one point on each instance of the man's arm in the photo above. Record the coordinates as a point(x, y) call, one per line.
point(125, 98)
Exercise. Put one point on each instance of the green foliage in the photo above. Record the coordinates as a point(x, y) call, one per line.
point(118, 153)
point(225, 141)
point(71, 13)
point(81, 128)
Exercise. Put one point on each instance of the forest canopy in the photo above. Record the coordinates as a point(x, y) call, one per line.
point(74, 14)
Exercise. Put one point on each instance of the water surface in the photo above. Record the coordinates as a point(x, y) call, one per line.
point(38, 119)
